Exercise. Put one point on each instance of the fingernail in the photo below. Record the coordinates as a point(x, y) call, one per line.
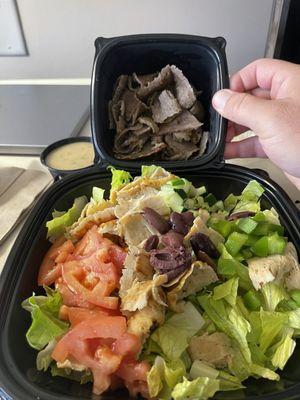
point(220, 99)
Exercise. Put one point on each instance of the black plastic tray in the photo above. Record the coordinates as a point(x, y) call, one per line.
point(202, 60)
point(18, 378)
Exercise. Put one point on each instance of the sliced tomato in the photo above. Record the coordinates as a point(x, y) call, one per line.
point(127, 345)
point(78, 314)
point(74, 274)
point(134, 374)
point(48, 263)
point(69, 298)
point(97, 327)
point(66, 249)
point(81, 343)
point(118, 256)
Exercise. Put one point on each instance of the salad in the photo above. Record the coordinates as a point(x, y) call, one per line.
point(165, 290)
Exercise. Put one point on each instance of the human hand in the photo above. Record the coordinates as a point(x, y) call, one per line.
point(264, 97)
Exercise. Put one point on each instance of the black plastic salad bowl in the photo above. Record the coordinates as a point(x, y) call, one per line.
point(18, 376)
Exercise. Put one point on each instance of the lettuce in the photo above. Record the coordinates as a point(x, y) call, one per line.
point(259, 371)
point(57, 226)
point(97, 194)
point(273, 295)
point(272, 324)
point(78, 376)
point(294, 318)
point(230, 267)
point(44, 359)
point(284, 350)
point(174, 335)
point(119, 178)
point(227, 291)
point(45, 325)
point(149, 170)
point(229, 320)
point(247, 201)
point(201, 388)
point(163, 377)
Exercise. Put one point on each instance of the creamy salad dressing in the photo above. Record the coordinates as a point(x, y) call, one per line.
point(71, 156)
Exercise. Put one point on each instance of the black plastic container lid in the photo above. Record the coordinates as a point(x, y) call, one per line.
point(203, 62)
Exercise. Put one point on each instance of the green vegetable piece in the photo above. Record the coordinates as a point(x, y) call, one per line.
point(223, 227)
point(292, 304)
point(252, 300)
point(251, 240)
point(276, 244)
point(253, 190)
point(247, 253)
point(230, 202)
point(247, 225)
point(57, 226)
point(201, 388)
point(259, 217)
point(273, 294)
point(261, 247)
point(171, 198)
point(148, 170)
point(295, 295)
point(284, 350)
point(235, 242)
point(265, 228)
point(227, 291)
point(97, 194)
point(119, 177)
point(230, 267)
point(174, 335)
point(210, 199)
point(45, 325)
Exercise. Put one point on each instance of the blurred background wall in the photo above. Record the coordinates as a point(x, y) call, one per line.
point(60, 33)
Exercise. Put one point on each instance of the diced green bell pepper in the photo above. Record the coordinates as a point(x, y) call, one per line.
point(265, 228)
point(247, 225)
point(261, 247)
point(235, 242)
point(276, 244)
point(247, 253)
point(223, 227)
point(251, 240)
point(210, 199)
point(252, 300)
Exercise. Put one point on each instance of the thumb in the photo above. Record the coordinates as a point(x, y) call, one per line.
point(244, 109)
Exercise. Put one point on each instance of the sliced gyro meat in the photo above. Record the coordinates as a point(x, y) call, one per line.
point(162, 81)
point(165, 107)
point(183, 122)
point(184, 91)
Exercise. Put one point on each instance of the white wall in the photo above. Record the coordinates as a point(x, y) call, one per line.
point(60, 33)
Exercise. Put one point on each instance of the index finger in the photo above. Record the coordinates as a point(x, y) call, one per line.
point(266, 73)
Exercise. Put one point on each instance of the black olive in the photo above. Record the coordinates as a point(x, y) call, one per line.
point(156, 220)
point(172, 239)
point(151, 243)
point(202, 242)
point(241, 214)
point(202, 256)
point(178, 223)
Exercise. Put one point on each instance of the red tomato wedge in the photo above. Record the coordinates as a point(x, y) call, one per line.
point(78, 314)
point(134, 374)
point(128, 345)
point(77, 345)
point(50, 269)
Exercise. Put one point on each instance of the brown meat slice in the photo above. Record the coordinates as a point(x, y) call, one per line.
point(148, 122)
point(184, 91)
point(119, 88)
point(150, 148)
point(165, 107)
point(142, 80)
point(197, 110)
point(214, 349)
point(118, 114)
point(180, 150)
point(183, 122)
point(133, 106)
point(188, 136)
point(163, 80)
point(131, 139)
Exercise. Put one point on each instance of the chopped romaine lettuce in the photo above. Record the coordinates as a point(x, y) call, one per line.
point(273, 294)
point(119, 178)
point(149, 170)
point(227, 291)
point(200, 388)
point(272, 324)
point(172, 198)
point(45, 325)
point(174, 335)
point(283, 351)
point(57, 226)
point(97, 194)
point(44, 359)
